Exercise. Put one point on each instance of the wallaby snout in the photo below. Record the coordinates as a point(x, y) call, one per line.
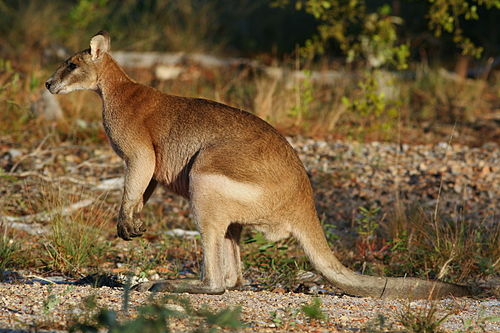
point(49, 86)
point(52, 86)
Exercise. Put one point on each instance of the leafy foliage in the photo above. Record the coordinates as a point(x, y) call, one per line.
point(156, 317)
point(360, 34)
point(447, 15)
point(371, 34)
point(303, 99)
point(313, 310)
point(373, 109)
point(367, 222)
point(273, 258)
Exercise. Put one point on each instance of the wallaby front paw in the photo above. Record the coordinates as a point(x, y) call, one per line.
point(128, 230)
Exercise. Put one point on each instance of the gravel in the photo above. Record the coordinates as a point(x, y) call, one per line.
point(53, 307)
point(462, 181)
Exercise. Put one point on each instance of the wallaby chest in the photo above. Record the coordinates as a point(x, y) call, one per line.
point(123, 122)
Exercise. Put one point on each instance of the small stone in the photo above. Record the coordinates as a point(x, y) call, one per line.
point(484, 171)
point(279, 290)
point(455, 169)
point(14, 153)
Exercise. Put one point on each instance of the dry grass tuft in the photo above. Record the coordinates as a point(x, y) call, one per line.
point(75, 243)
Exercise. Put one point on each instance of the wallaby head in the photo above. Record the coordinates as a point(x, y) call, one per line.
point(80, 71)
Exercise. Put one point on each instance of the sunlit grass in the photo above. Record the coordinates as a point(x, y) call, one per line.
point(76, 242)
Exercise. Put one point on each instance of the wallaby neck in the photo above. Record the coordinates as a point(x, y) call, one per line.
point(111, 77)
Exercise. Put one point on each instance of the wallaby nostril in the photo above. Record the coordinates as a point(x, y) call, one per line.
point(47, 85)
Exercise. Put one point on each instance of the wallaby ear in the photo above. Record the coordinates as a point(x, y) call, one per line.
point(99, 44)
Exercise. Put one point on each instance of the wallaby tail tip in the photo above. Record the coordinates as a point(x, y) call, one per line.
point(414, 289)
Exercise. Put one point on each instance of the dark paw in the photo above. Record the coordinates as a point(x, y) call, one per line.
point(127, 230)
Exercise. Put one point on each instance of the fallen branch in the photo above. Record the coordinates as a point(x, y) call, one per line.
point(19, 222)
point(30, 228)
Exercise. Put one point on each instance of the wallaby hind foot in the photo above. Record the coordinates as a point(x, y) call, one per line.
point(179, 286)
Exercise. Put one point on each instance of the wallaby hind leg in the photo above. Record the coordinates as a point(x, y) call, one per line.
point(231, 259)
point(231, 265)
point(213, 231)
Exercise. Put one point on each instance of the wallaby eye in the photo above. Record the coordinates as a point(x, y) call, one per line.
point(72, 66)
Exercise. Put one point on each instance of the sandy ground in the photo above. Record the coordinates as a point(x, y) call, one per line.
point(35, 307)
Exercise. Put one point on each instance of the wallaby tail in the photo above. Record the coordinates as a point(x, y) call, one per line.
point(319, 253)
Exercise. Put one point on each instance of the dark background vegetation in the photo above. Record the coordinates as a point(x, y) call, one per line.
point(244, 28)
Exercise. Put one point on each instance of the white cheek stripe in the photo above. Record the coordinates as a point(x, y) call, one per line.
point(227, 187)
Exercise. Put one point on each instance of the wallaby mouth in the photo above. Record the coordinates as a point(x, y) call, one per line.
point(51, 87)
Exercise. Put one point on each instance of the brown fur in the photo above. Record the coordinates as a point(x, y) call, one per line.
point(235, 169)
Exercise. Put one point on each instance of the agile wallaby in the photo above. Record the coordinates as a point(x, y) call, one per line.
point(235, 169)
